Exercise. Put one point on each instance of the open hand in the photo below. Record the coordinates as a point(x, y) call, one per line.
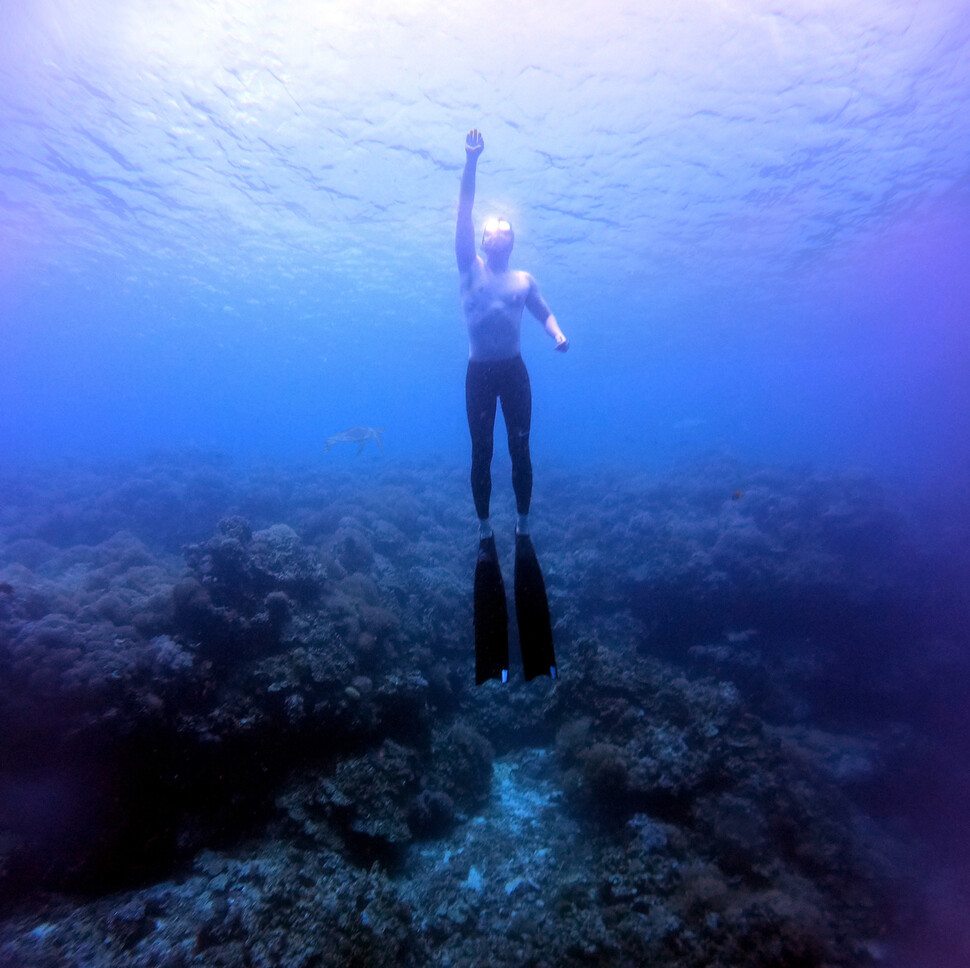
point(474, 143)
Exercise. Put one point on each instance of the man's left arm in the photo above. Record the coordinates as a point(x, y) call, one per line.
point(538, 307)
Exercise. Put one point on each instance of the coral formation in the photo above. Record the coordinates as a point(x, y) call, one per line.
point(264, 683)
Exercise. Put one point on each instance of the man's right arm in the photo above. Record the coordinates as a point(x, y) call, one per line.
point(465, 230)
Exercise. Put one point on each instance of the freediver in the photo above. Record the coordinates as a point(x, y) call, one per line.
point(492, 299)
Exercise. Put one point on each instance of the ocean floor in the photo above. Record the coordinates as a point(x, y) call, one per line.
point(239, 725)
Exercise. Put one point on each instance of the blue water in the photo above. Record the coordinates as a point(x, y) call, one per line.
point(227, 228)
point(231, 226)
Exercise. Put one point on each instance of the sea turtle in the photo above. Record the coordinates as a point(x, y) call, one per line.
point(358, 436)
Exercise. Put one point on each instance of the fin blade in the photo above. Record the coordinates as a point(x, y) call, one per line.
point(491, 617)
point(532, 613)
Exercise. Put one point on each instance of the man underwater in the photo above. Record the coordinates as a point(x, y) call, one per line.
point(492, 299)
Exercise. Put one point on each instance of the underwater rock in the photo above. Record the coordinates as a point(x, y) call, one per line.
point(366, 802)
point(431, 814)
point(603, 782)
point(238, 568)
point(650, 834)
point(244, 589)
point(462, 765)
point(404, 708)
point(352, 548)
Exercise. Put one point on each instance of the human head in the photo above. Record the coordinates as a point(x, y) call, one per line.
point(497, 237)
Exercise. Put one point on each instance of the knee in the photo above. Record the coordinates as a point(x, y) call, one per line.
point(482, 453)
point(519, 445)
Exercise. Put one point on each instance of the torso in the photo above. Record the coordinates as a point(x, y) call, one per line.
point(492, 304)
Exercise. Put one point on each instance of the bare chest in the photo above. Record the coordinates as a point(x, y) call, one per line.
point(485, 293)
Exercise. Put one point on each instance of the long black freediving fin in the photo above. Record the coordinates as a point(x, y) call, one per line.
point(491, 617)
point(532, 612)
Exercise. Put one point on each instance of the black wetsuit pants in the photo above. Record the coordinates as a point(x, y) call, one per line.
point(485, 382)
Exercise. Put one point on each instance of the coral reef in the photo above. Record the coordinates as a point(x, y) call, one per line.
point(238, 726)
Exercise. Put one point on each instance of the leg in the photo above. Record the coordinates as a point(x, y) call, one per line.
point(516, 394)
point(480, 406)
point(491, 610)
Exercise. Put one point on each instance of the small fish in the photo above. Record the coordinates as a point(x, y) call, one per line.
point(358, 436)
point(737, 495)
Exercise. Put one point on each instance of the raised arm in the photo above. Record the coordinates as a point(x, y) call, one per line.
point(538, 307)
point(465, 230)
